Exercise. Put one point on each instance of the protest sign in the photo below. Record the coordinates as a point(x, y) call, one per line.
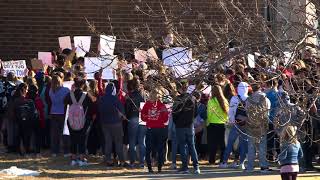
point(107, 45)
point(251, 61)
point(19, 67)
point(180, 61)
point(140, 55)
point(152, 55)
point(45, 57)
point(82, 43)
point(65, 42)
point(36, 64)
point(94, 64)
point(287, 57)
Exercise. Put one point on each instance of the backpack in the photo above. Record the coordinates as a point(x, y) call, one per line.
point(3, 98)
point(26, 111)
point(241, 113)
point(76, 113)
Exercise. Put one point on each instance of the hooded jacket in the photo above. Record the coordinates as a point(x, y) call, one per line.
point(110, 108)
point(257, 106)
point(242, 90)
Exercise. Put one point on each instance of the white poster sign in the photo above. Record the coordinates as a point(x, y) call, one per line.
point(180, 61)
point(45, 57)
point(107, 45)
point(94, 64)
point(65, 42)
point(251, 61)
point(19, 68)
point(82, 43)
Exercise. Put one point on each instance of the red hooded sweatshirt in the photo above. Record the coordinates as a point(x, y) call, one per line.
point(155, 114)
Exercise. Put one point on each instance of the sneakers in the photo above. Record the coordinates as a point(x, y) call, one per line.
point(265, 170)
point(234, 165)
point(83, 163)
point(197, 171)
point(183, 171)
point(74, 162)
point(242, 166)
point(173, 166)
point(141, 166)
point(223, 165)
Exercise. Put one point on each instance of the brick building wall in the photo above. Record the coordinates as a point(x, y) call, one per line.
point(29, 26)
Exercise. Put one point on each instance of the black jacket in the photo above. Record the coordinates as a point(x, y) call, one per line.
point(184, 111)
point(133, 104)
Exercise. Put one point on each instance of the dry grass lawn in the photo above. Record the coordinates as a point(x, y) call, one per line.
point(59, 168)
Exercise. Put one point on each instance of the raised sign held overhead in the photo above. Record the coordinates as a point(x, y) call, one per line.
point(180, 61)
point(45, 57)
point(82, 45)
point(95, 64)
point(18, 68)
point(107, 45)
point(65, 42)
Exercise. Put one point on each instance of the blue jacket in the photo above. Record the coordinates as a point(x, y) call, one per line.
point(290, 154)
point(273, 96)
point(110, 108)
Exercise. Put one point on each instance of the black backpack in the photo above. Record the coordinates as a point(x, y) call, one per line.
point(241, 113)
point(26, 111)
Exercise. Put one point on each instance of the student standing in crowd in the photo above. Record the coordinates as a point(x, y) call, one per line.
point(237, 106)
point(57, 94)
point(290, 153)
point(257, 106)
point(136, 129)
point(155, 114)
point(79, 117)
point(111, 114)
point(183, 113)
point(217, 110)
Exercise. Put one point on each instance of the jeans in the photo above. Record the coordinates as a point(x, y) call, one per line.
point(174, 145)
point(243, 144)
point(252, 144)
point(185, 139)
point(155, 142)
point(137, 134)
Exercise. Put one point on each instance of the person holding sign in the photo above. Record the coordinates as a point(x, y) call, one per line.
point(156, 115)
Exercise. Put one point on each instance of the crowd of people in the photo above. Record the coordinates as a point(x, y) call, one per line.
point(137, 120)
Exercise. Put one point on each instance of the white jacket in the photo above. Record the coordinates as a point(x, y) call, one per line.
point(242, 89)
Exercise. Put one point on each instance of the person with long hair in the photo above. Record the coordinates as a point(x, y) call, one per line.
point(217, 110)
point(290, 153)
point(22, 111)
point(57, 95)
point(39, 123)
point(95, 137)
point(78, 136)
point(136, 130)
point(155, 114)
point(237, 104)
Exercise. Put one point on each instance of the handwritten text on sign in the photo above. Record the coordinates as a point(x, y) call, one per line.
point(19, 68)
